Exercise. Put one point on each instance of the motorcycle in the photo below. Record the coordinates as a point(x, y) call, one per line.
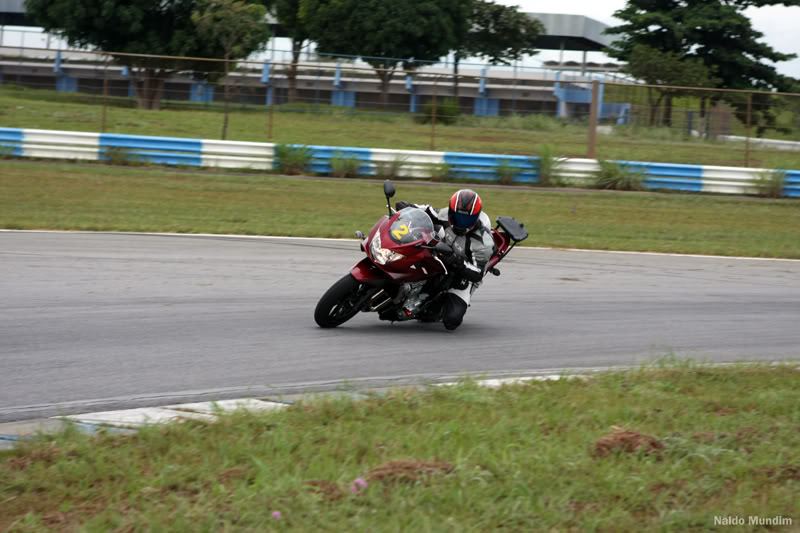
point(404, 275)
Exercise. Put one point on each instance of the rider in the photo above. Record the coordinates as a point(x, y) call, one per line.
point(467, 229)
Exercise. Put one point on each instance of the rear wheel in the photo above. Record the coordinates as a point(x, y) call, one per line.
point(341, 303)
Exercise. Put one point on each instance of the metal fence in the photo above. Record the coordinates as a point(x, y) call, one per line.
point(339, 103)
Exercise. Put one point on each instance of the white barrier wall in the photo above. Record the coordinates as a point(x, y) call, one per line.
point(408, 163)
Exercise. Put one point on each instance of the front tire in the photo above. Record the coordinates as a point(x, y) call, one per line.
point(340, 303)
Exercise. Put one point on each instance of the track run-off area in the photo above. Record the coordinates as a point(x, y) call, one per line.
point(97, 321)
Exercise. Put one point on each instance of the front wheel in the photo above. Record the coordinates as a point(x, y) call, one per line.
point(341, 303)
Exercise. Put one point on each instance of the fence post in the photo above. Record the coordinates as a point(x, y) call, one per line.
point(271, 117)
point(592, 149)
point(433, 114)
point(105, 96)
point(749, 126)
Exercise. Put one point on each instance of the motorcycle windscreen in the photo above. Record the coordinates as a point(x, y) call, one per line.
point(412, 225)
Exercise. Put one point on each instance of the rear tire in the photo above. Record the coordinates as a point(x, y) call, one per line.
point(340, 303)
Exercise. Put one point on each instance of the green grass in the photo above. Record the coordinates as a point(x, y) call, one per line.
point(521, 458)
point(86, 197)
point(310, 124)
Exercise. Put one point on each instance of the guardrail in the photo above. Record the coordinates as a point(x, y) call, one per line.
point(46, 144)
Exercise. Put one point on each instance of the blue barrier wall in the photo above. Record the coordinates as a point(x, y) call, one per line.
point(11, 139)
point(484, 166)
point(322, 156)
point(669, 176)
point(792, 186)
point(161, 150)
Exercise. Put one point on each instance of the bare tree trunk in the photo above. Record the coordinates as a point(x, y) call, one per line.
point(148, 89)
point(385, 76)
point(703, 120)
point(297, 46)
point(667, 117)
point(456, 61)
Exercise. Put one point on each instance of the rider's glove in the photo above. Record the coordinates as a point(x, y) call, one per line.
point(453, 262)
point(472, 273)
point(402, 205)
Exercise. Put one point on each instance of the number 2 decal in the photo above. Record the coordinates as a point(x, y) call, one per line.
point(399, 232)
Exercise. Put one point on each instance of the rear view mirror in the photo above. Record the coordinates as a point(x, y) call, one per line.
point(388, 188)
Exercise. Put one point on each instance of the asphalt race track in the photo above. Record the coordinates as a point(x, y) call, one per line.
point(92, 321)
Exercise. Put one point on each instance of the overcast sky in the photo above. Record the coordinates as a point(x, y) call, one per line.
point(777, 23)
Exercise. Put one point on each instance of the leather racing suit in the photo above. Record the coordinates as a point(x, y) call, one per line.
point(475, 248)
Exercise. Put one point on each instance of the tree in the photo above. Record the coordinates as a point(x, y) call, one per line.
point(238, 27)
point(145, 27)
point(655, 67)
point(392, 29)
point(718, 33)
point(288, 14)
point(500, 34)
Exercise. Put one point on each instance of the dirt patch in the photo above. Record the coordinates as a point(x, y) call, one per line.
point(232, 474)
point(46, 455)
point(742, 435)
point(625, 440)
point(407, 471)
point(781, 472)
point(707, 436)
point(115, 441)
point(579, 507)
point(746, 434)
point(327, 490)
point(724, 411)
point(56, 519)
point(670, 488)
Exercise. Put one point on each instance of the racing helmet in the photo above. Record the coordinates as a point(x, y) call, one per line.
point(464, 211)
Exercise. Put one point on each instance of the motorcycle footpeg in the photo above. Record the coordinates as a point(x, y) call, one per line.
point(360, 235)
point(495, 272)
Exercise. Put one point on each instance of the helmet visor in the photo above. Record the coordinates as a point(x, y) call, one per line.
point(462, 221)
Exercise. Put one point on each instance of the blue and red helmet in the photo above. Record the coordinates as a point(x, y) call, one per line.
point(465, 210)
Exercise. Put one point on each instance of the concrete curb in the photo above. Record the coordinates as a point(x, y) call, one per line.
point(128, 420)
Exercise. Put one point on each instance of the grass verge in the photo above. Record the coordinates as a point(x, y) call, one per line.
point(666, 448)
point(103, 198)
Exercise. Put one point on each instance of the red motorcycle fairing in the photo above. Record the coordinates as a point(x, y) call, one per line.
point(502, 243)
point(365, 271)
point(418, 264)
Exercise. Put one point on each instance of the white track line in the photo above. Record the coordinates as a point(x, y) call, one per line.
point(281, 237)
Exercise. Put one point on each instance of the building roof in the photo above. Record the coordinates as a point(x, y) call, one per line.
point(572, 32)
point(12, 13)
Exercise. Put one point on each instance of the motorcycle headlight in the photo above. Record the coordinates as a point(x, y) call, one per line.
point(382, 255)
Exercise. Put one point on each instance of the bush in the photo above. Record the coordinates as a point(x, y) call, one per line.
point(390, 169)
point(619, 177)
point(506, 172)
point(447, 112)
point(292, 160)
point(121, 156)
point(345, 166)
point(770, 183)
point(6, 151)
point(548, 167)
point(440, 171)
